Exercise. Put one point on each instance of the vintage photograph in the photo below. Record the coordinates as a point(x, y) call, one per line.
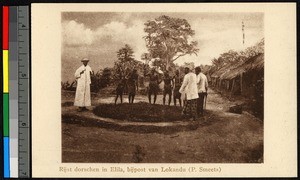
point(162, 87)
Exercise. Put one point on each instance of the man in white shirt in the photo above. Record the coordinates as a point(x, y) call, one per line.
point(83, 93)
point(202, 85)
point(189, 88)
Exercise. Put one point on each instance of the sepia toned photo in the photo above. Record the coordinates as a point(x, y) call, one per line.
point(164, 90)
point(162, 87)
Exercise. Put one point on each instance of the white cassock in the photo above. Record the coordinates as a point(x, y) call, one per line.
point(189, 86)
point(83, 93)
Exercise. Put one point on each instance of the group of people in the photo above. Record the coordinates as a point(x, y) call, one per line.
point(194, 89)
point(189, 91)
point(131, 81)
point(171, 87)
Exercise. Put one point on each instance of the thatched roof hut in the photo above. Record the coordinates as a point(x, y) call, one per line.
point(218, 73)
point(240, 77)
point(254, 63)
point(243, 79)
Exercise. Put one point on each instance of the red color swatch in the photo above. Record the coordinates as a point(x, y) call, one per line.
point(5, 27)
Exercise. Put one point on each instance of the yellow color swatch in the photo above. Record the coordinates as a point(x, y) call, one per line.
point(5, 71)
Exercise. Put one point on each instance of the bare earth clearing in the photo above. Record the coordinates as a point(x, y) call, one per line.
point(220, 137)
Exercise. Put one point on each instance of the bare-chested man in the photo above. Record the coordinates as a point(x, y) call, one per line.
point(177, 84)
point(153, 85)
point(132, 84)
point(168, 82)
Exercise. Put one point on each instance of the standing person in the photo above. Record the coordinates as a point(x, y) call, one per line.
point(83, 93)
point(202, 85)
point(153, 85)
point(132, 84)
point(120, 90)
point(177, 83)
point(167, 87)
point(189, 87)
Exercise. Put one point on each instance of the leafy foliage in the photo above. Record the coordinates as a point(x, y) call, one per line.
point(169, 39)
point(68, 86)
point(226, 58)
point(232, 56)
point(254, 50)
point(101, 79)
point(125, 62)
point(187, 64)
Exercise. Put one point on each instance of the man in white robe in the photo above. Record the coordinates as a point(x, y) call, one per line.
point(83, 93)
point(190, 91)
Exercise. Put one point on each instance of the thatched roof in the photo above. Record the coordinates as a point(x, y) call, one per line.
point(221, 71)
point(233, 70)
point(254, 63)
point(224, 70)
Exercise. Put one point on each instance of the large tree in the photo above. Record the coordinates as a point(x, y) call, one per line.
point(169, 39)
point(125, 62)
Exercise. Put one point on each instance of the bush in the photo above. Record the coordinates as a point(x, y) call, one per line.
point(100, 80)
point(68, 86)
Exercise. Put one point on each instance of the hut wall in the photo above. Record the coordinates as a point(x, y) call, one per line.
point(227, 85)
point(254, 89)
point(236, 89)
point(213, 81)
point(250, 80)
point(248, 84)
point(259, 95)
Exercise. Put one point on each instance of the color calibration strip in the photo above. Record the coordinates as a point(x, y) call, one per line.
point(16, 92)
point(5, 38)
point(15, 75)
point(24, 142)
point(13, 90)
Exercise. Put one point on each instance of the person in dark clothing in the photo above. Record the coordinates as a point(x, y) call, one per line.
point(132, 85)
point(177, 84)
point(202, 86)
point(153, 85)
point(167, 87)
point(120, 90)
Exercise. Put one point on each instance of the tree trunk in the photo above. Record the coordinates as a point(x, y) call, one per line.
point(167, 65)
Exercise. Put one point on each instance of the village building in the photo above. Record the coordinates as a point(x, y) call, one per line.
point(245, 79)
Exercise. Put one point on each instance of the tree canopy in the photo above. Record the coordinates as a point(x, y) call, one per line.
point(232, 56)
point(169, 38)
point(125, 62)
point(125, 54)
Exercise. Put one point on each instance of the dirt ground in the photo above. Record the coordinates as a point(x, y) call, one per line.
point(219, 137)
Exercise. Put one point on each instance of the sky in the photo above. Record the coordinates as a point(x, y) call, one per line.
point(99, 35)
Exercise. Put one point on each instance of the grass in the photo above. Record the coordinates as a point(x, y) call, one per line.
point(139, 112)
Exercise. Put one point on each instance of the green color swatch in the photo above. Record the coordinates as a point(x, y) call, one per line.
point(5, 114)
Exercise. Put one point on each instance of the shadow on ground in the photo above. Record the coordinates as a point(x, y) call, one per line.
point(220, 137)
point(169, 128)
